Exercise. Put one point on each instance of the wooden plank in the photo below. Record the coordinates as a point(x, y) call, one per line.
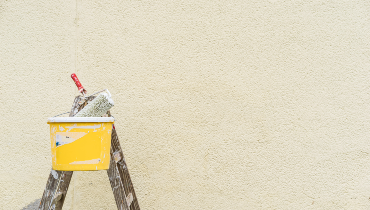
point(56, 190)
point(58, 182)
point(119, 178)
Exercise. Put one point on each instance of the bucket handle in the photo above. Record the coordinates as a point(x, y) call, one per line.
point(110, 96)
point(60, 114)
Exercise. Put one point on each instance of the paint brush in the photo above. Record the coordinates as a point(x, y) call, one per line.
point(98, 106)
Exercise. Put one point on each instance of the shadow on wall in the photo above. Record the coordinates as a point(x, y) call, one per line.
point(33, 205)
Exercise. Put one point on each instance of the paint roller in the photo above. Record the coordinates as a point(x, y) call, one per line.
point(98, 106)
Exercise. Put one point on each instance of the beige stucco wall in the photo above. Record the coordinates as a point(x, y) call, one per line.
point(219, 104)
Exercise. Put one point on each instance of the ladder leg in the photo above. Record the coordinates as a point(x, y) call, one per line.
point(58, 182)
point(119, 178)
point(56, 190)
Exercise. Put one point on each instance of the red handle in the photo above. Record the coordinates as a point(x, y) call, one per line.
point(78, 83)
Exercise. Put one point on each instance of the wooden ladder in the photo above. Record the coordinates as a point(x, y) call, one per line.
point(119, 177)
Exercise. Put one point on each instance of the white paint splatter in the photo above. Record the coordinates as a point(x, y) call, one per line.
point(55, 174)
point(61, 128)
point(129, 199)
point(53, 129)
point(63, 138)
point(93, 161)
point(83, 127)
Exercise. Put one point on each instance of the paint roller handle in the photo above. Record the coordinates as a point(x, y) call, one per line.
point(78, 84)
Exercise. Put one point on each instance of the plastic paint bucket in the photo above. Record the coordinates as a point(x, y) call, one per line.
point(80, 143)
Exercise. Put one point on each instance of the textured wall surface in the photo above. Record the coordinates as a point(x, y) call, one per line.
point(219, 104)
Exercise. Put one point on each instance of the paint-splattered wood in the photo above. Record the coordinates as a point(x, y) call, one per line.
point(119, 178)
point(58, 182)
point(56, 190)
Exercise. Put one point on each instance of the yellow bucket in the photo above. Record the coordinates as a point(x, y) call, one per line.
point(80, 143)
